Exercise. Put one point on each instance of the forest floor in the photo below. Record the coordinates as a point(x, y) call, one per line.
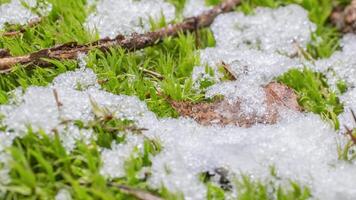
point(100, 100)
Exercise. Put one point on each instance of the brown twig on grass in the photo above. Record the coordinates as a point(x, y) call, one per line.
point(222, 112)
point(131, 43)
point(231, 75)
point(13, 33)
point(350, 131)
point(137, 193)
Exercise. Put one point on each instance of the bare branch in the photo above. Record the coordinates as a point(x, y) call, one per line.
point(131, 43)
point(139, 194)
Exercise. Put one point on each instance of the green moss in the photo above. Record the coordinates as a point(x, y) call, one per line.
point(179, 4)
point(155, 74)
point(314, 94)
point(4, 1)
point(63, 24)
point(41, 167)
point(249, 189)
point(212, 2)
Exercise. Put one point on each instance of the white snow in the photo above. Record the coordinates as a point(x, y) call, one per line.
point(301, 146)
point(195, 7)
point(63, 194)
point(271, 30)
point(114, 159)
point(125, 17)
point(256, 48)
point(15, 13)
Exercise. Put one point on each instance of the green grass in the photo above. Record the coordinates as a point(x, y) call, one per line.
point(249, 189)
point(273, 188)
point(314, 94)
point(63, 24)
point(41, 166)
point(171, 62)
point(4, 1)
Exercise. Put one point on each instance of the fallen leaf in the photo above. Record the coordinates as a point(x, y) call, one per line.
point(222, 112)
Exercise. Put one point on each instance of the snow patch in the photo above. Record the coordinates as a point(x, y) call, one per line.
point(257, 48)
point(15, 13)
point(195, 7)
point(271, 30)
point(125, 17)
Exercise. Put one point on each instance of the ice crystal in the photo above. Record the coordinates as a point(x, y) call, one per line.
point(257, 48)
point(124, 17)
point(272, 30)
point(22, 16)
point(194, 7)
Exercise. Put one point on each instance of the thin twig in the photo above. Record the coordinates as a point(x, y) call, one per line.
point(56, 97)
point(151, 73)
point(131, 43)
point(137, 193)
point(13, 33)
point(229, 71)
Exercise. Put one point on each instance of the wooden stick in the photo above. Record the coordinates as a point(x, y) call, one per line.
point(131, 43)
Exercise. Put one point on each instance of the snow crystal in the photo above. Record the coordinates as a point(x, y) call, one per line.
point(115, 158)
point(22, 16)
point(39, 108)
point(272, 30)
point(293, 146)
point(253, 70)
point(63, 194)
point(301, 146)
point(194, 8)
point(15, 13)
point(257, 48)
point(115, 17)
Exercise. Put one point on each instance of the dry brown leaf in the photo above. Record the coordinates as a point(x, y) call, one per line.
point(222, 112)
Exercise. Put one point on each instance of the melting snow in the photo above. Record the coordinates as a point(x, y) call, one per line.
point(194, 7)
point(15, 13)
point(256, 48)
point(301, 146)
point(115, 17)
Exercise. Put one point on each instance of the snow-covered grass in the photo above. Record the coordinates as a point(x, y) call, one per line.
point(73, 133)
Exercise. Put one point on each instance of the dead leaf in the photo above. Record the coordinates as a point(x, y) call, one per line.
point(222, 112)
point(229, 72)
point(281, 95)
